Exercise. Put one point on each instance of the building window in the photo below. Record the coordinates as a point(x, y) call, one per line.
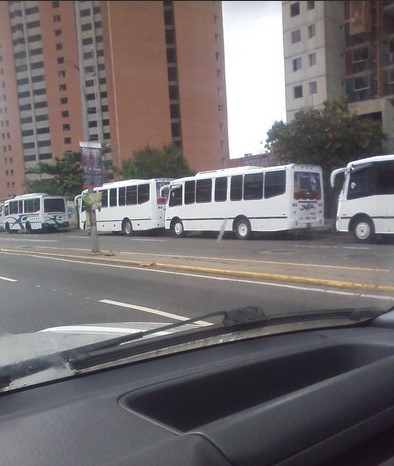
point(297, 92)
point(360, 54)
point(65, 114)
point(87, 41)
point(313, 87)
point(62, 87)
point(218, 73)
point(391, 77)
point(62, 74)
point(297, 64)
point(56, 18)
point(296, 36)
point(60, 60)
point(85, 13)
point(66, 127)
point(59, 46)
point(312, 59)
point(55, 4)
point(67, 140)
point(295, 9)
point(311, 31)
point(64, 100)
point(310, 5)
point(43, 131)
point(33, 24)
point(58, 32)
point(361, 83)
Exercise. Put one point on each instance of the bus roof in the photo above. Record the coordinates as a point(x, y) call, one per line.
point(244, 169)
point(30, 195)
point(376, 158)
point(115, 184)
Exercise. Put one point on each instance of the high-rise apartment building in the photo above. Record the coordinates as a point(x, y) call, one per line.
point(340, 48)
point(128, 74)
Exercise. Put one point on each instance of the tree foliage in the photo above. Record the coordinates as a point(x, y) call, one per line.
point(330, 137)
point(167, 162)
point(64, 178)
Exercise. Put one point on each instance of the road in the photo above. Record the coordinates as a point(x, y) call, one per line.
point(43, 291)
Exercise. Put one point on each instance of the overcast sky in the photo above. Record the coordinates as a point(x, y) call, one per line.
point(254, 68)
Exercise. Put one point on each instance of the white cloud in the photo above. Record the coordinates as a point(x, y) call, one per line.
point(255, 88)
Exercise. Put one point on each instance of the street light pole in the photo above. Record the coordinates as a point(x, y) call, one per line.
point(92, 211)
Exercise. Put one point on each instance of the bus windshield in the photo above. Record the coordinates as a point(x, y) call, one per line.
point(307, 185)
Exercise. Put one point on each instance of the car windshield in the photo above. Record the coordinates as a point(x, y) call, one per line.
point(164, 163)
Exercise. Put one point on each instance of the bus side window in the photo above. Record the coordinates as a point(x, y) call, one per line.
point(131, 195)
point(113, 197)
point(221, 189)
point(385, 178)
point(204, 190)
point(122, 196)
point(104, 198)
point(143, 193)
point(190, 192)
point(253, 186)
point(236, 188)
point(275, 183)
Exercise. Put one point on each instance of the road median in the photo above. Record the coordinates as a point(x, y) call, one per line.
point(113, 258)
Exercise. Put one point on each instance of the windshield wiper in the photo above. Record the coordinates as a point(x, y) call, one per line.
point(233, 320)
point(69, 362)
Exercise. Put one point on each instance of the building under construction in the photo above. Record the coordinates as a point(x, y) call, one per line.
point(341, 48)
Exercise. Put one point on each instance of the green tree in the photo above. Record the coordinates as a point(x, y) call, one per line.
point(167, 162)
point(330, 137)
point(64, 178)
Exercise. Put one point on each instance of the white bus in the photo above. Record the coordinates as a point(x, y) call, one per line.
point(366, 201)
point(247, 199)
point(35, 212)
point(127, 206)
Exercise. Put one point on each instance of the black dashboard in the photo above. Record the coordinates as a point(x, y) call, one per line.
point(313, 397)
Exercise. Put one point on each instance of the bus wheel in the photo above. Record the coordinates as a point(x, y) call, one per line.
point(364, 230)
point(7, 228)
point(178, 229)
point(243, 229)
point(28, 227)
point(127, 227)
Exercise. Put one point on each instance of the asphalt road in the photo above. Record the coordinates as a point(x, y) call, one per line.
point(40, 292)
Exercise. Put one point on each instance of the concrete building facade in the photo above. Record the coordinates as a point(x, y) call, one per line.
point(340, 48)
point(128, 74)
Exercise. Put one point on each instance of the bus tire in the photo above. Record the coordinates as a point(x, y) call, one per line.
point(179, 230)
point(363, 230)
point(7, 228)
point(127, 228)
point(28, 227)
point(243, 229)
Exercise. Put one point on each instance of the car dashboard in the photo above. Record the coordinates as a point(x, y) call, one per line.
point(323, 396)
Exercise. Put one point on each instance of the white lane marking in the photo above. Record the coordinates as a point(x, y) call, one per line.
point(225, 279)
point(150, 310)
point(8, 279)
point(331, 247)
point(31, 240)
point(154, 240)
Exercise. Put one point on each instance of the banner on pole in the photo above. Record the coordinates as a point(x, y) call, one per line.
point(91, 159)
